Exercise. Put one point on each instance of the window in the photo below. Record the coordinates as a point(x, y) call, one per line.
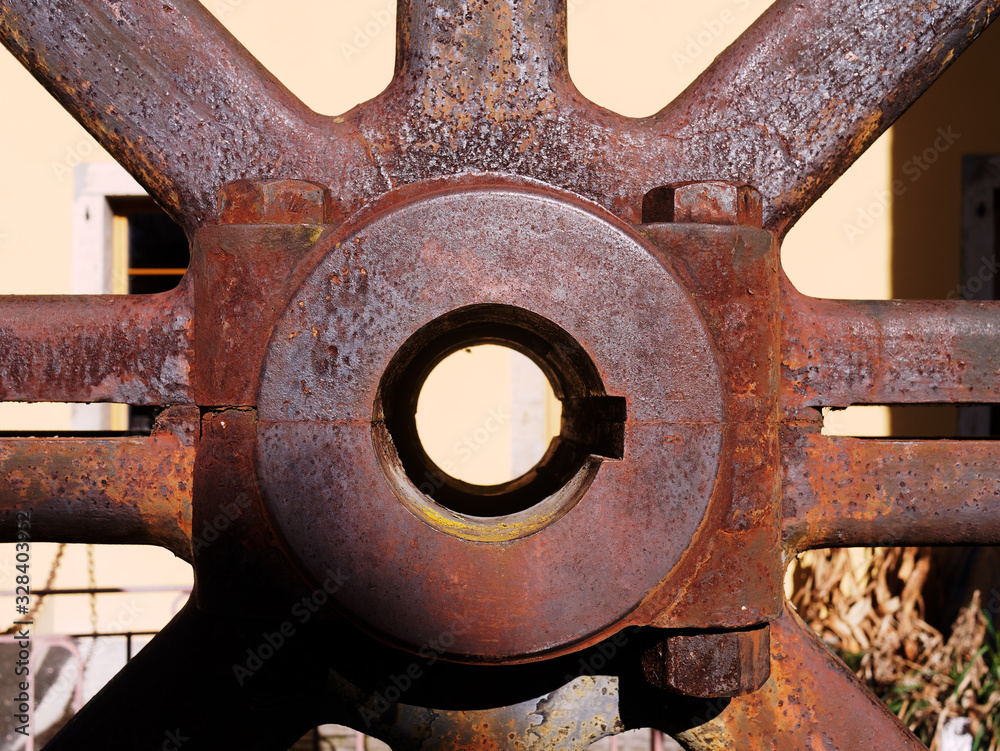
point(123, 243)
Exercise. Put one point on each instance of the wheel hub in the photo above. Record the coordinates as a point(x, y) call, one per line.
point(628, 355)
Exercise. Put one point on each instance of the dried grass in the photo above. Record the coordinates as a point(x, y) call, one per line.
point(868, 606)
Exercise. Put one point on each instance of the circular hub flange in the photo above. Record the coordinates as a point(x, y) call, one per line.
point(552, 559)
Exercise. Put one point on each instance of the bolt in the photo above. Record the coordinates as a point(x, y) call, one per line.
point(273, 202)
point(711, 664)
point(710, 202)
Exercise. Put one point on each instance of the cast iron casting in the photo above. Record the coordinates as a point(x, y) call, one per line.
point(633, 578)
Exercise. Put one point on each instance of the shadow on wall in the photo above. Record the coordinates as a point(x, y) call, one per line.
point(959, 114)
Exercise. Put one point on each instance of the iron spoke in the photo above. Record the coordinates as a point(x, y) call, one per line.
point(803, 92)
point(97, 348)
point(174, 97)
point(103, 490)
point(497, 61)
point(485, 87)
point(812, 700)
point(850, 492)
point(836, 353)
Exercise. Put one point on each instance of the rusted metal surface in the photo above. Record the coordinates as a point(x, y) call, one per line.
point(713, 202)
point(242, 570)
point(482, 198)
point(857, 492)
point(489, 90)
point(711, 664)
point(413, 702)
point(135, 491)
point(812, 700)
point(732, 274)
point(486, 88)
point(570, 718)
point(274, 202)
point(806, 89)
point(333, 355)
point(242, 275)
point(97, 348)
point(836, 353)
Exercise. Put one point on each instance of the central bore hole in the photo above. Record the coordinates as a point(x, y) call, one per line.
point(487, 414)
point(478, 381)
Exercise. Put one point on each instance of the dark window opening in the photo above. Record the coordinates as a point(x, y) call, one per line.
point(157, 248)
point(154, 250)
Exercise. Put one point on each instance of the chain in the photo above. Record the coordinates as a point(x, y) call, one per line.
point(92, 583)
point(48, 586)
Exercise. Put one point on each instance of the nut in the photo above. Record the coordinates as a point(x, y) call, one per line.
point(712, 202)
point(273, 202)
point(711, 664)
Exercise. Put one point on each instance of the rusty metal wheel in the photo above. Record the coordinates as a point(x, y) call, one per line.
point(340, 575)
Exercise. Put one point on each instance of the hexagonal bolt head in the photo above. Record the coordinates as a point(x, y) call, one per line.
point(711, 664)
point(273, 202)
point(714, 202)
